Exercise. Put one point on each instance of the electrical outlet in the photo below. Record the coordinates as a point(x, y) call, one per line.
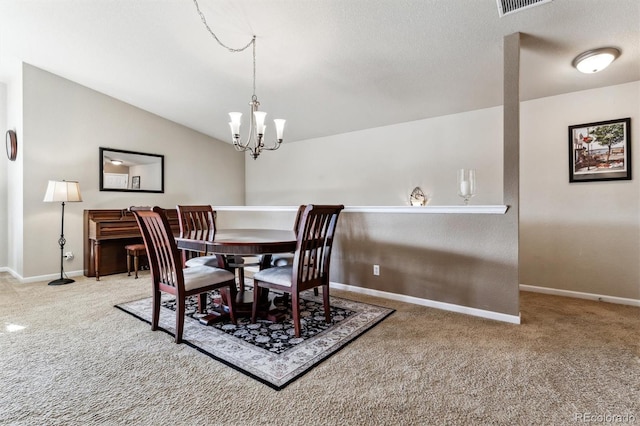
point(376, 269)
point(68, 255)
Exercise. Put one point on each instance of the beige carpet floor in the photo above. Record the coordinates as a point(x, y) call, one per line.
point(68, 357)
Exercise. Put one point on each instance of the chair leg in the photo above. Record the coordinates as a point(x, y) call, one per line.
point(202, 302)
point(231, 303)
point(128, 263)
point(180, 310)
point(295, 311)
point(155, 315)
point(315, 291)
point(241, 279)
point(325, 300)
point(136, 263)
point(256, 299)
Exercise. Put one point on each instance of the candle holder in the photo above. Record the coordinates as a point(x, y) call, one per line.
point(466, 184)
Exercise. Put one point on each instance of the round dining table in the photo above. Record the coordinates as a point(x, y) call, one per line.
point(243, 242)
point(252, 241)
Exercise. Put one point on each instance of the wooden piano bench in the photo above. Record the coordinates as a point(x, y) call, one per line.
point(134, 250)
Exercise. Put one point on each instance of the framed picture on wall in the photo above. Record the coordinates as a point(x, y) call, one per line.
point(600, 151)
point(135, 182)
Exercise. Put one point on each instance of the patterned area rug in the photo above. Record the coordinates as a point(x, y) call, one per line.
point(267, 351)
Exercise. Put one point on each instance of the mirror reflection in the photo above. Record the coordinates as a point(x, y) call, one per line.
point(131, 171)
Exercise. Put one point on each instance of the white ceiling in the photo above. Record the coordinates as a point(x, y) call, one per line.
point(327, 66)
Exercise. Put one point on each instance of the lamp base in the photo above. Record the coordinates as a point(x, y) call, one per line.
point(61, 281)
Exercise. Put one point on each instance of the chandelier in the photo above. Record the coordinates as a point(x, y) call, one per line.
point(257, 128)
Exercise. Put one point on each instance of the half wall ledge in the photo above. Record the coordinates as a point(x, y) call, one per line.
point(491, 209)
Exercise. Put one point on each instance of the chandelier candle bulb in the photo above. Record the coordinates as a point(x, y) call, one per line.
point(279, 122)
point(260, 116)
point(235, 122)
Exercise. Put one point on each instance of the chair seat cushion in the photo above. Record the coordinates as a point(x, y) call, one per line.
point(282, 259)
point(202, 261)
point(202, 276)
point(280, 275)
point(212, 260)
point(136, 247)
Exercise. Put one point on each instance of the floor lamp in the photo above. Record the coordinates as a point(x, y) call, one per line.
point(64, 191)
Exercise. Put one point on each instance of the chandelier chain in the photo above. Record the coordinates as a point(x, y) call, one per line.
point(231, 49)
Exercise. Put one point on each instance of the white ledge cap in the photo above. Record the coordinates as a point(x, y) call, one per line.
point(469, 209)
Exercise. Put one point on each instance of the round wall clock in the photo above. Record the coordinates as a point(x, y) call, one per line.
point(12, 145)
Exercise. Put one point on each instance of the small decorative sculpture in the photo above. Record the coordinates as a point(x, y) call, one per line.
point(417, 197)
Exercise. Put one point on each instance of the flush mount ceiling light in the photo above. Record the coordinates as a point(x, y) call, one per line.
point(595, 60)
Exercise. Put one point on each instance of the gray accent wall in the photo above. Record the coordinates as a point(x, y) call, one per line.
point(470, 260)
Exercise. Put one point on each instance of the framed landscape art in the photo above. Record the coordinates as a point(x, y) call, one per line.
point(600, 151)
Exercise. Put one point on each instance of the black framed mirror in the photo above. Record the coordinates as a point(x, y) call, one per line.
point(131, 171)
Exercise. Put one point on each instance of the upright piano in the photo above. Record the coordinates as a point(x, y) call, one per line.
point(106, 232)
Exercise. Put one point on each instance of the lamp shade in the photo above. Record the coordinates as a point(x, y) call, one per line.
point(67, 191)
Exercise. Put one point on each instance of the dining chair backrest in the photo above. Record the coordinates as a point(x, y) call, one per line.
point(162, 251)
point(197, 222)
point(314, 243)
point(296, 223)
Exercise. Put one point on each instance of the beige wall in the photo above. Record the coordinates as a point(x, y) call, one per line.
point(14, 201)
point(580, 237)
point(575, 237)
point(4, 165)
point(381, 166)
point(65, 124)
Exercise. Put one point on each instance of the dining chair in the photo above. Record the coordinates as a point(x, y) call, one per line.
point(311, 262)
point(198, 222)
point(284, 259)
point(169, 276)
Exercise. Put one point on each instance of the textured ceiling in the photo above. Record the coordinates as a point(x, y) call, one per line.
point(327, 66)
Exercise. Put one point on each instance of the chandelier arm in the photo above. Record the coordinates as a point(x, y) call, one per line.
point(274, 147)
point(230, 49)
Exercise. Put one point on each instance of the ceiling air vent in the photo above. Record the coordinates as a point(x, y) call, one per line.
point(506, 7)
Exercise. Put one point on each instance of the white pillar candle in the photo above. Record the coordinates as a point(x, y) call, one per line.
point(465, 188)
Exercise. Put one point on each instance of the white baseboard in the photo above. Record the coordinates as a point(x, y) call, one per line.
point(11, 272)
point(48, 277)
point(581, 295)
point(512, 319)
